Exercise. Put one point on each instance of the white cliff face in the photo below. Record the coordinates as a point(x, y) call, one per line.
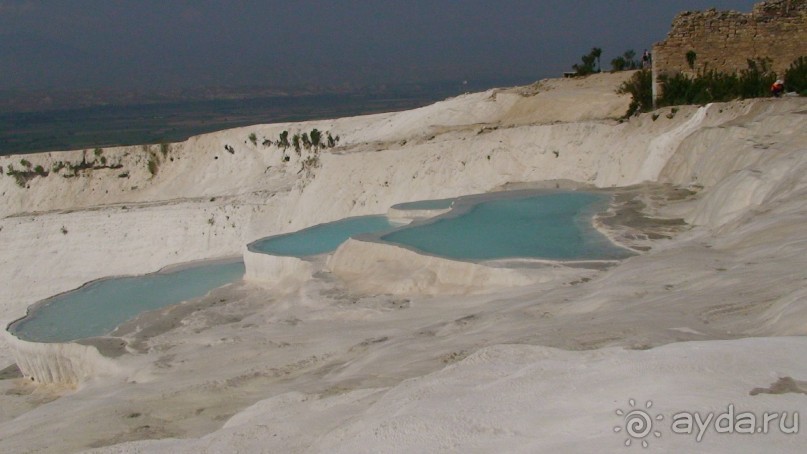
point(63, 364)
point(735, 274)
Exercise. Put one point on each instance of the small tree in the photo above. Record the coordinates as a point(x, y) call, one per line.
point(630, 59)
point(618, 64)
point(591, 63)
point(295, 142)
point(626, 61)
point(283, 141)
point(587, 67)
point(316, 138)
point(596, 52)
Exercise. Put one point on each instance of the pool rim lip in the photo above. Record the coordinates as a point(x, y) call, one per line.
point(167, 269)
point(251, 245)
point(452, 202)
point(521, 262)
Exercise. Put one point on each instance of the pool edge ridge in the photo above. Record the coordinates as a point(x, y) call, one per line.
point(60, 363)
point(379, 267)
point(276, 271)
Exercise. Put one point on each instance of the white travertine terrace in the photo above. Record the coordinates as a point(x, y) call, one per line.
point(488, 359)
point(66, 364)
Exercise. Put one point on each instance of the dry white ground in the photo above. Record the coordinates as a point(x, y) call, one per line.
point(711, 314)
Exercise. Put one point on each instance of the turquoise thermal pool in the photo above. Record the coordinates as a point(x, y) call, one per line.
point(99, 307)
point(321, 238)
point(555, 226)
point(549, 225)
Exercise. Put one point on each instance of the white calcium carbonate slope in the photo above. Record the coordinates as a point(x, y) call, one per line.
point(316, 365)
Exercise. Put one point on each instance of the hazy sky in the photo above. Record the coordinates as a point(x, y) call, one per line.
point(191, 43)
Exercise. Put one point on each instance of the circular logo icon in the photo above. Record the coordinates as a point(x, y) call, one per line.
point(638, 423)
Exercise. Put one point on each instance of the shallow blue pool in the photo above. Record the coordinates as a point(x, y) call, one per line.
point(321, 238)
point(99, 307)
point(553, 226)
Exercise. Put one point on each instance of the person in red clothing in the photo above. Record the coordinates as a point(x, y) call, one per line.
point(778, 88)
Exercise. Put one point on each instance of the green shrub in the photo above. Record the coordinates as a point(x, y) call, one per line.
point(796, 76)
point(682, 89)
point(253, 138)
point(677, 89)
point(25, 163)
point(20, 177)
point(630, 59)
point(316, 137)
point(165, 148)
point(706, 87)
point(76, 168)
point(714, 86)
point(756, 81)
point(618, 64)
point(153, 166)
point(640, 87)
point(589, 64)
point(283, 141)
point(310, 163)
point(98, 152)
point(625, 62)
point(295, 142)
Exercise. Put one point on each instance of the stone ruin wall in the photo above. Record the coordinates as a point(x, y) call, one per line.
point(725, 40)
